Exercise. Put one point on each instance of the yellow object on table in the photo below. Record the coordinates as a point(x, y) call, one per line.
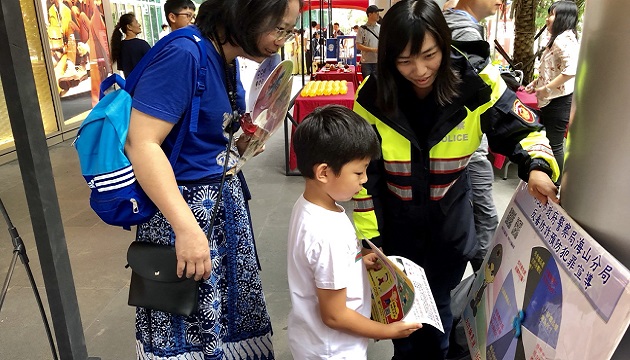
point(324, 88)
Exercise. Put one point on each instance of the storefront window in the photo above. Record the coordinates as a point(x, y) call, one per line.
point(6, 136)
point(79, 49)
point(42, 84)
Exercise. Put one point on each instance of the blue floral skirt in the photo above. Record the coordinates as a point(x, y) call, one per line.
point(232, 320)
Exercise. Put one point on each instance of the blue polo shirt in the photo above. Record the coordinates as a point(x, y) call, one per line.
point(165, 91)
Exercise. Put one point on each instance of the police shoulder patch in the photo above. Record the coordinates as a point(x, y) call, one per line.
point(523, 112)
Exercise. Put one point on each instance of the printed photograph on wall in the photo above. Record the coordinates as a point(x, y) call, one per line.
point(80, 51)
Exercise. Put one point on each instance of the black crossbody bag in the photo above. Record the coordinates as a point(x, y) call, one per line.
point(154, 281)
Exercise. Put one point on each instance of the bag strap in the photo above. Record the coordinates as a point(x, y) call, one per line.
point(368, 29)
point(109, 82)
point(192, 115)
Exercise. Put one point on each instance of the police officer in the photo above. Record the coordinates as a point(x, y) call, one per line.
point(430, 107)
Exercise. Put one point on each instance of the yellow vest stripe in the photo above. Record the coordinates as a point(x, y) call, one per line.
point(402, 192)
point(400, 168)
point(363, 204)
point(437, 192)
point(365, 220)
point(448, 166)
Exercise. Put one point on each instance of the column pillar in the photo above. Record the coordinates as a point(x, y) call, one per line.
point(596, 181)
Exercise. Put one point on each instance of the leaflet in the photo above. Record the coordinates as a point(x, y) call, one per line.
point(400, 291)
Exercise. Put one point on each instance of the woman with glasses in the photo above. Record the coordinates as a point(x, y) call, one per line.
point(232, 320)
point(430, 105)
point(128, 52)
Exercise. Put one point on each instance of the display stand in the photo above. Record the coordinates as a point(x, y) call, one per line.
point(347, 49)
point(19, 250)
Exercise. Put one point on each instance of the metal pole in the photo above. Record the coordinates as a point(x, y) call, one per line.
point(32, 152)
point(595, 189)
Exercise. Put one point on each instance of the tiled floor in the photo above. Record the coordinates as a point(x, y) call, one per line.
point(97, 253)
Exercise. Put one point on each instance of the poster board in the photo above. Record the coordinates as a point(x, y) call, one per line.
point(546, 290)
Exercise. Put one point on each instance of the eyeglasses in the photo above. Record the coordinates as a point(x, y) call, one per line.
point(282, 34)
point(190, 16)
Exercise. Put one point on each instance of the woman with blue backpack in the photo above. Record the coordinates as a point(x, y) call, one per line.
point(231, 320)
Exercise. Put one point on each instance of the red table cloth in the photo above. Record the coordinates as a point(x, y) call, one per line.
point(305, 105)
point(350, 77)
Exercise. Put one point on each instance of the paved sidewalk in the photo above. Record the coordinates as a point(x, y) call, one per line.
point(98, 256)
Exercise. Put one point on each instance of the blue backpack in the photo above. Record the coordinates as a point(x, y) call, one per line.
point(116, 196)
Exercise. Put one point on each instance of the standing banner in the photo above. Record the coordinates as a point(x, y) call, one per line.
point(546, 290)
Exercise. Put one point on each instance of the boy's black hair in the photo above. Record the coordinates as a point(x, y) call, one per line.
point(175, 6)
point(335, 135)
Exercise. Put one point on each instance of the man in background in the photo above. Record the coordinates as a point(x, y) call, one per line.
point(164, 31)
point(179, 13)
point(463, 18)
point(336, 32)
point(367, 41)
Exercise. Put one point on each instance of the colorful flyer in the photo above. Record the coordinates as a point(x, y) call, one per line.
point(400, 291)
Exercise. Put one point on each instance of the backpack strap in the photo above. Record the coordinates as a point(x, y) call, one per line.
point(109, 81)
point(192, 115)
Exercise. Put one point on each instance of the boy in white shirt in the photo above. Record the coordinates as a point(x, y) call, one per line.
point(327, 279)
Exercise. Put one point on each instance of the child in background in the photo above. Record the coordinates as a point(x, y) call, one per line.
point(327, 277)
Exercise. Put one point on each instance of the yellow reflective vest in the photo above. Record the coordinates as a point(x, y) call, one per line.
point(418, 192)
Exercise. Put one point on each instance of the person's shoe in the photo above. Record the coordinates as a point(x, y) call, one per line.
point(69, 78)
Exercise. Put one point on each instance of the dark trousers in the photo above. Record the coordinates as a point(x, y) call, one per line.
point(428, 343)
point(440, 237)
point(486, 218)
point(555, 117)
point(309, 61)
point(368, 69)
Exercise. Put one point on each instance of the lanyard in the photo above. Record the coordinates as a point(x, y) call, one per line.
point(230, 82)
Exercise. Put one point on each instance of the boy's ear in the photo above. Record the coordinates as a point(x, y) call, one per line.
point(322, 172)
point(171, 18)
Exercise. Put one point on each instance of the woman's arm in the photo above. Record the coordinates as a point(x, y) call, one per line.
point(545, 90)
point(155, 174)
point(336, 315)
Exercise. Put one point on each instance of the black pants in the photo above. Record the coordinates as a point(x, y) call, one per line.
point(443, 251)
point(309, 61)
point(555, 117)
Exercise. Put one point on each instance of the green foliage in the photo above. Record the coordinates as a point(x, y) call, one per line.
point(541, 12)
point(346, 18)
point(543, 6)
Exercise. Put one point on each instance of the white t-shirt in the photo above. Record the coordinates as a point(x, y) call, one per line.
point(323, 252)
point(163, 33)
point(367, 38)
point(562, 58)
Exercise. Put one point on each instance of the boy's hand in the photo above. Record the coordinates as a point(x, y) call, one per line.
point(401, 329)
point(371, 261)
